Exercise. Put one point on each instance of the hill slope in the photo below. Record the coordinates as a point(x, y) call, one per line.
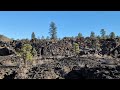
point(4, 38)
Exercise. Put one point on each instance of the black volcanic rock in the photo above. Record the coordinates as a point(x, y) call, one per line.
point(5, 52)
point(94, 73)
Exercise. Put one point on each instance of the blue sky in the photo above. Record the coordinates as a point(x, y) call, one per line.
point(20, 24)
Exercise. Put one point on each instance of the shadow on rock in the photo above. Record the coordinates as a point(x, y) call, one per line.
point(94, 73)
point(77, 74)
point(11, 76)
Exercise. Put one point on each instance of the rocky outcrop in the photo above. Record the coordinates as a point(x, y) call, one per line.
point(6, 51)
point(99, 72)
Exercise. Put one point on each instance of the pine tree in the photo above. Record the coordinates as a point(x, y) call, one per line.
point(33, 35)
point(112, 35)
point(92, 35)
point(53, 30)
point(79, 35)
point(103, 33)
point(98, 37)
point(47, 38)
point(76, 48)
point(25, 53)
point(117, 36)
point(42, 38)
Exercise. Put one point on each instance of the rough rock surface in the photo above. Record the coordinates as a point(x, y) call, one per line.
point(72, 68)
point(89, 67)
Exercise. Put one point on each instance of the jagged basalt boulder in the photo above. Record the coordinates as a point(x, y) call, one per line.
point(6, 51)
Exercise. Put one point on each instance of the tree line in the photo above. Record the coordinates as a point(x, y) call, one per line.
point(53, 34)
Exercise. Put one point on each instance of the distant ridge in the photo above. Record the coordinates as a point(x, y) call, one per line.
point(4, 38)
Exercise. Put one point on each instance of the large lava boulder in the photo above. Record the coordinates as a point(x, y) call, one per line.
point(5, 52)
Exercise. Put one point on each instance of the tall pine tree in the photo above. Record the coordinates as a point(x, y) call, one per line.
point(53, 30)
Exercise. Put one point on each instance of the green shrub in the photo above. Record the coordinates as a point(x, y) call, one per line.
point(76, 48)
